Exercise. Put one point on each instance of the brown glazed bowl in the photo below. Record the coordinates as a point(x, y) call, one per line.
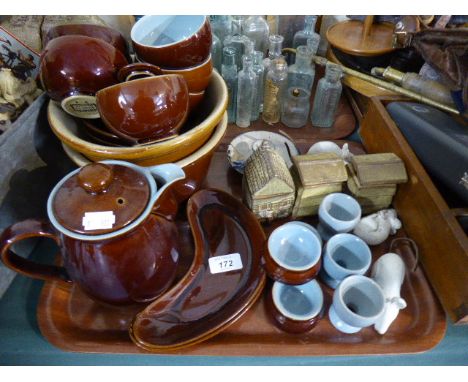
point(295, 308)
point(145, 109)
point(73, 68)
point(192, 136)
point(172, 41)
point(100, 32)
point(293, 253)
point(198, 77)
point(195, 165)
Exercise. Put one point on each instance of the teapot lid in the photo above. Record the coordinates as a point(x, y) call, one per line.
point(100, 198)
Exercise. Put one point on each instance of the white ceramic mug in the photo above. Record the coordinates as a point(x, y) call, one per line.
point(344, 255)
point(358, 302)
point(338, 213)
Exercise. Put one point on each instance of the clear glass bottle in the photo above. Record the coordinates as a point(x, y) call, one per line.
point(276, 82)
point(229, 73)
point(246, 91)
point(260, 72)
point(313, 44)
point(256, 29)
point(327, 97)
point(221, 26)
point(236, 39)
point(300, 38)
point(295, 108)
point(274, 50)
point(302, 73)
point(216, 52)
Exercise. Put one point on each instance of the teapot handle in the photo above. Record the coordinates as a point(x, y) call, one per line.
point(164, 201)
point(25, 230)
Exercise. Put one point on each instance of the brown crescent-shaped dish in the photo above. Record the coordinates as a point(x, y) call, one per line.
point(203, 303)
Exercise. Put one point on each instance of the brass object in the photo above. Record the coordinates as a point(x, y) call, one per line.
point(359, 191)
point(320, 168)
point(379, 169)
point(316, 176)
point(383, 84)
point(267, 185)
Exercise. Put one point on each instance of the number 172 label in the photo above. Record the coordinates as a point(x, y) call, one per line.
point(226, 263)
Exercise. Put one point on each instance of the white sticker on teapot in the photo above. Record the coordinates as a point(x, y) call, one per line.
point(226, 263)
point(98, 220)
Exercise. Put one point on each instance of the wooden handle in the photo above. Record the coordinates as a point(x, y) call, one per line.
point(25, 230)
point(368, 21)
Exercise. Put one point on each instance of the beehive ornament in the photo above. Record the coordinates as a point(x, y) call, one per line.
point(268, 187)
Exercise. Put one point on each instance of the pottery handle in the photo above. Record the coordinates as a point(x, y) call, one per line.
point(165, 203)
point(25, 230)
point(138, 70)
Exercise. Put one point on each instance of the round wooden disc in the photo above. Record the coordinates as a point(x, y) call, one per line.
point(348, 37)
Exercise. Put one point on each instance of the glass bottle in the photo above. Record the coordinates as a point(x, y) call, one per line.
point(295, 108)
point(276, 82)
point(300, 38)
point(302, 73)
point(216, 52)
point(260, 72)
point(229, 73)
point(327, 97)
point(256, 29)
point(246, 90)
point(274, 50)
point(221, 26)
point(236, 39)
point(313, 44)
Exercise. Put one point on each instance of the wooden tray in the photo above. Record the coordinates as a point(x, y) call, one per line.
point(73, 322)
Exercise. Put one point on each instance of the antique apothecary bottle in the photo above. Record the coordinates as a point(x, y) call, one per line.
point(274, 50)
point(302, 73)
point(300, 38)
point(260, 72)
point(276, 82)
point(229, 73)
point(237, 39)
point(221, 26)
point(216, 52)
point(256, 29)
point(295, 107)
point(327, 97)
point(246, 90)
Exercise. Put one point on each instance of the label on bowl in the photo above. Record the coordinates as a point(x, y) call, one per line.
point(81, 106)
point(98, 220)
point(226, 263)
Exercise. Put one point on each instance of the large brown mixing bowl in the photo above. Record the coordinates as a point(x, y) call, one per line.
point(193, 135)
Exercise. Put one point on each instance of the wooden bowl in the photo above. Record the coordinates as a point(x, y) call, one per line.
point(193, 134)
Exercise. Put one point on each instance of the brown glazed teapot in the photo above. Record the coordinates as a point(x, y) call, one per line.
point(115, 230)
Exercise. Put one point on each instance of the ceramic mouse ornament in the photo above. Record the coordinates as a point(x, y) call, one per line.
point(389, 272)
point(374, 229)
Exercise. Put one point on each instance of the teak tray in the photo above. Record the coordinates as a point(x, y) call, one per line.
point(71, 321)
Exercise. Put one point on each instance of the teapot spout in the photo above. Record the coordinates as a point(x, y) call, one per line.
point(164, 202)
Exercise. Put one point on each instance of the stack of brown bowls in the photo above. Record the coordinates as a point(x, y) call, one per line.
point(177, 45)
point(104, 107)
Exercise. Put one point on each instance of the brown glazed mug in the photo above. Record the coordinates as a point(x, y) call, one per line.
point(114, 226)
point(100, 32)
point(144, 109)
point(172, 41)
point(198, 77)
point(73, 68)
point(293, 253)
